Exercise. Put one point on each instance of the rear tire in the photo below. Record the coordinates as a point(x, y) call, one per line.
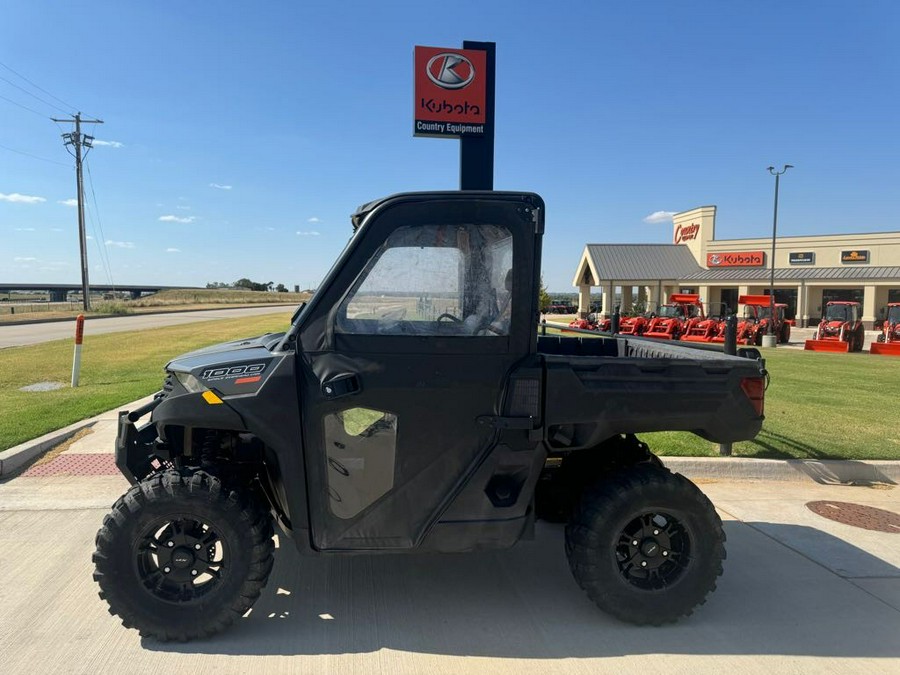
point(181, 557)
point(646, 545)
point(785, 333)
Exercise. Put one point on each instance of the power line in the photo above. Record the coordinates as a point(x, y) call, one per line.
point(35, 96)
point(24, 107)
point(103, 253)
point(68, 105)
point(28, 154)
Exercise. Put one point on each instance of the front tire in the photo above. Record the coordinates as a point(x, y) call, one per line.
point(646, 545)
point(181, 557)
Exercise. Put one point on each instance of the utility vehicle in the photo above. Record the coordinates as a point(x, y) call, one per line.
point(411, 406)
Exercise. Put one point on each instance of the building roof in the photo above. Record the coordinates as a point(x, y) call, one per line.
point(848, 273)
point(640, 262)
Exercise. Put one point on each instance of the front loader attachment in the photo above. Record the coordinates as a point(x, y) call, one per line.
point(885, 348)
point(838, 346)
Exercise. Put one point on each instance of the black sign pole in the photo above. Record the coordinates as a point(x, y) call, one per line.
point(476, 153)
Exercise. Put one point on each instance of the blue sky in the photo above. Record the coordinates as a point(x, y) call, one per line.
point(243, 136)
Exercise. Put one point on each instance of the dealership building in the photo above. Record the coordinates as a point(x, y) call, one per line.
point(809, 270)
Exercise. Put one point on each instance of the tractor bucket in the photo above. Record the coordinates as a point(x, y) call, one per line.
point(885, 348)
point(838, 346)
point(695, 338)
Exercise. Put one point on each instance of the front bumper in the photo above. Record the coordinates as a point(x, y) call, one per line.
point(135, 447)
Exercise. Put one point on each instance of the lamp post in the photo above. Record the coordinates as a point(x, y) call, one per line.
point(771, 341)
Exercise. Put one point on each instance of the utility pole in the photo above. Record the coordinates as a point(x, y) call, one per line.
point(77, 140)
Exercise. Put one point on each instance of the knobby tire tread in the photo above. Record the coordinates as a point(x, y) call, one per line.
point(120, 590)
point(591, 530)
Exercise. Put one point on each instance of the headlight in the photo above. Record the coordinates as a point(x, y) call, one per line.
point(189, 382)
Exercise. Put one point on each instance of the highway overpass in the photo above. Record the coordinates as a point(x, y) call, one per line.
point(58, 292)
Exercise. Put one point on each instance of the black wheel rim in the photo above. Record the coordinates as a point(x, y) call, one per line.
point(653, 551)
point(180, 560)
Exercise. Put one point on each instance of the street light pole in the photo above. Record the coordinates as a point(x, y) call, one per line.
point(777, 175)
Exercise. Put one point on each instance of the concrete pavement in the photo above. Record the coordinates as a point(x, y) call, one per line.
point(800, 593)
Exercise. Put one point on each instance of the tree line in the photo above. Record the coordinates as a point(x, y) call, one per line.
point(248, 285)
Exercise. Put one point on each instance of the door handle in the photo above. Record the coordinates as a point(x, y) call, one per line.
point(340, 386)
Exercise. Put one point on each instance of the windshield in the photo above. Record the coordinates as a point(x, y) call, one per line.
point(894, 314)
point(837, 313)
point(670, 312)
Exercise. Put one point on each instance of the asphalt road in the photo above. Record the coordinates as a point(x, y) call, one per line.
point(35, 333)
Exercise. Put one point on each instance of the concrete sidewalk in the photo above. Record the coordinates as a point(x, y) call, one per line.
point(800, 594)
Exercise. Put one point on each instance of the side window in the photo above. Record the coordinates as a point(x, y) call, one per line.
point(360, 448)
point(434, 280)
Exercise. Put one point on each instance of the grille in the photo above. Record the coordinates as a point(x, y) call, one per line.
point(525, 400)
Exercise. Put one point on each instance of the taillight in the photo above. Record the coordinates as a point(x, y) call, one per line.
point(755, 389)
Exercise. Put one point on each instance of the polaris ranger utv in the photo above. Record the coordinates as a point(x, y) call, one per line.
point(412, 406)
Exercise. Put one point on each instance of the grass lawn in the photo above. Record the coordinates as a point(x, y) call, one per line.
point(818, 406)
point(116, 368)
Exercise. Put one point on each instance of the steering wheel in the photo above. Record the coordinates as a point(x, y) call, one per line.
point(446, 315)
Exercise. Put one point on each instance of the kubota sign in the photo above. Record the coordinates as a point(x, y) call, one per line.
point(450, 92)
point(739, 259)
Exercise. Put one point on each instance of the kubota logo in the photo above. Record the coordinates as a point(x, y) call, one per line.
point(450, 71)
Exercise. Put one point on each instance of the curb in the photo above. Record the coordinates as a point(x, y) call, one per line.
point(823, 471)
point(14, 458)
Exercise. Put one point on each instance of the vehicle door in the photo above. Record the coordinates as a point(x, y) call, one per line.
point(410, 342)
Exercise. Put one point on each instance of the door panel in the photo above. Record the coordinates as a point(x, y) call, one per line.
point(425, 328)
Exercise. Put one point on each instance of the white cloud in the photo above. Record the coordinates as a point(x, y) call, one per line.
point(68, 202)
point(109, 144)
point(24, 229)
point(183, 208)
point(311, 233)
point(24, 259)
point(120, 244)
point(177, 219)
point(219, 187)
point(56, 229)
point(659, 217)
point(313, 220)
point(173, 250)
point(16, 198)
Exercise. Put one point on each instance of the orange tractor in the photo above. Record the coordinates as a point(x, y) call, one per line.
point(757, 316)
point(888, 343)
point(710, 329)
point(676, 318)
point(635, 325)
point(840, 329)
